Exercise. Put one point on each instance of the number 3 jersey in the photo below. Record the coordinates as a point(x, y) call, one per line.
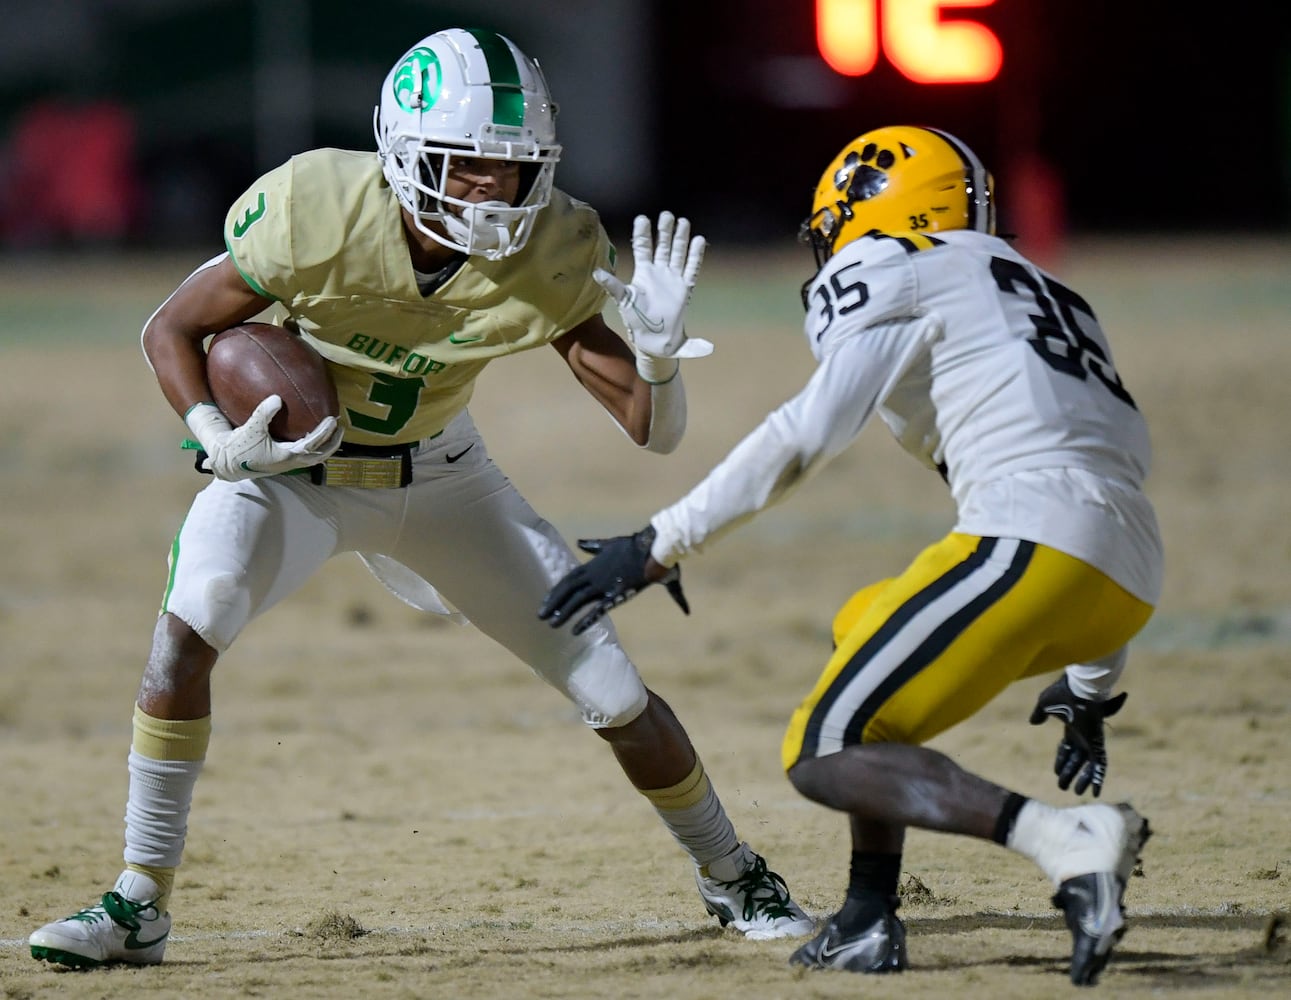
point(985, 368)
point(323, 235)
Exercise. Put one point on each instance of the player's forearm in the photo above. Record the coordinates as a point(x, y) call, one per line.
point(180, 368)
point(212, 298)
point(759, 471)
point(792, 443)
point(667, 415)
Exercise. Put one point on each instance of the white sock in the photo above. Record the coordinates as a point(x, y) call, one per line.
point(161, 793)
point(731, 865)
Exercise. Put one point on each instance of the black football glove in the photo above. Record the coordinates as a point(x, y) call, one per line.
point(1082, 754)
point(616, 571)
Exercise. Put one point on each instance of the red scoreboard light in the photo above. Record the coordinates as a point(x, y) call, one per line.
point(913, 37)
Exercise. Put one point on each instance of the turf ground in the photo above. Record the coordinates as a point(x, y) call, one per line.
point(393, 807)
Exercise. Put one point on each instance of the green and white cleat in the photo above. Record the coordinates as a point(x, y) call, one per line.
point(115, 929)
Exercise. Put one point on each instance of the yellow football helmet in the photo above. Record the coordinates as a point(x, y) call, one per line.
point(899, 179)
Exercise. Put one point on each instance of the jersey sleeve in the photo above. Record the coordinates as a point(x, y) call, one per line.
point(257, 232)
point(870, 281)
point(795, 440)
point(589, 248)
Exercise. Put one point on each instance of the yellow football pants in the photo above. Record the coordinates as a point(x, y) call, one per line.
point(919, 653)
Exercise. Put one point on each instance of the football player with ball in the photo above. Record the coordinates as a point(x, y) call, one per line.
point(409, 270)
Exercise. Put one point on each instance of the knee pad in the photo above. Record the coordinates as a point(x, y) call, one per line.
point(605, 685)
point(217, 610)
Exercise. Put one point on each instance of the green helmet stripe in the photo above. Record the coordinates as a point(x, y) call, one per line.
point(508, 98)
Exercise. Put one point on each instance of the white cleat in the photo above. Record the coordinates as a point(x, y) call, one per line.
point(741, 892)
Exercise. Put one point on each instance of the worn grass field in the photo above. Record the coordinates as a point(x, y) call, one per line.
point(392, 807)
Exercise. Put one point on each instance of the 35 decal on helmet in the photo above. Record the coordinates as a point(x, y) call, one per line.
point(467, 92)
point(898, 179)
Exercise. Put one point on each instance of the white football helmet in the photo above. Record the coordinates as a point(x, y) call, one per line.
point(467, 92)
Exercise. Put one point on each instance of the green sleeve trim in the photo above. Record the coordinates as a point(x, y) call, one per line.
point(255, 287)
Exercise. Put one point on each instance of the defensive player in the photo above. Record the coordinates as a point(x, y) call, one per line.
point(997, 375)
point(410, 270)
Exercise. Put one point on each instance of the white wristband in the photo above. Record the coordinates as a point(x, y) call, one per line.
point(656, 370)
point(207, 422)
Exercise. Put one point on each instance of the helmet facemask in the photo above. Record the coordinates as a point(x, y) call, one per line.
point(467, 94)
point(418, 171)
point(856, 181)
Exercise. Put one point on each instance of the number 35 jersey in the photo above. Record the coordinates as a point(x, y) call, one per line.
point(985, 368)
point(323, 235)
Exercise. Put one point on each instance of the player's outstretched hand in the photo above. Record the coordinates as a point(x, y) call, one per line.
point(1082, 753)
point(653, 306)
point(618, 569)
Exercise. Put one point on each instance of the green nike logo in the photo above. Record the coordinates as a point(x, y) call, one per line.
point(125, 914)
point(133, 943)
point(455, 339)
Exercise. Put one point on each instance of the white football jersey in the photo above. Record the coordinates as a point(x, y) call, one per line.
point(985, 368)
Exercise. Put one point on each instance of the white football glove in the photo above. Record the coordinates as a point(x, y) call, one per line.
point(654, 304)
point(248, 452)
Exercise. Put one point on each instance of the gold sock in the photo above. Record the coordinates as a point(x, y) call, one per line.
point(170, 739)
point(164, 877)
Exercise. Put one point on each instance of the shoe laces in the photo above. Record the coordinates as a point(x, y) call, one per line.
point(115, 906)
point(763, 890)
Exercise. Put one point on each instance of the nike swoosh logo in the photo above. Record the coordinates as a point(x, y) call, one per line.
point(134, 944)
point(1103, 921)
point(826, 952)
point(652, 326)
point(455, 339)
point(453, 458)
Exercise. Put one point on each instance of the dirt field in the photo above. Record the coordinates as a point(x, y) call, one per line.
point(392, 807)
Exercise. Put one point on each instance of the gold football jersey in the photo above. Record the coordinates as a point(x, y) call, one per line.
point(323, 235)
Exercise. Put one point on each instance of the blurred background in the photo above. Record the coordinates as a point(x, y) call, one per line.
point(134, 123)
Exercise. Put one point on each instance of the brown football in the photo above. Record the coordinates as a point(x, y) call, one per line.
point(246, 363)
